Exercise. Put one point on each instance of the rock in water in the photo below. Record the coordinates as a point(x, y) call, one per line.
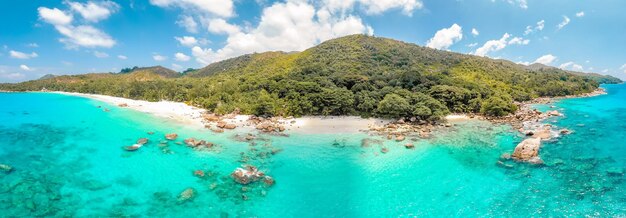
point(171, 136)
point(527, 149)
point(187, 195)
point(142, 141)
point(6, 168)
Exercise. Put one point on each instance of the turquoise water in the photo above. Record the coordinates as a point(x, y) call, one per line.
point(68, 161)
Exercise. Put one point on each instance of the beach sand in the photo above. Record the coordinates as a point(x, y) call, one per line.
point(190, 115)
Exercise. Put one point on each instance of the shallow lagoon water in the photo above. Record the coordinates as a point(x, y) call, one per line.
point(68, 161)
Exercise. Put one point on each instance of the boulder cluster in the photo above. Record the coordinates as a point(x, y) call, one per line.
point(250, 174)
point(402, 128)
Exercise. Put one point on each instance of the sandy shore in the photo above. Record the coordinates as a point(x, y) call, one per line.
point(190, 115)
point(176, 111)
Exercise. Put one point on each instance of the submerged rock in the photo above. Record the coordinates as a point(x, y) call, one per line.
point(409, 146)
point(171, 136)
point(142, 141)
point(5, 168)
point(187, 195)
point(527, 149)
point(133, 147)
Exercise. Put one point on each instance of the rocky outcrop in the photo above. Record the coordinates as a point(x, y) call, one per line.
point(527, 150)
point(142, 141)
point(192, 142)
point(409, 146)
point(123, 105)
point(171, 136)
point(187, 195)
point(248, 175)
point(133, 147)
point(554, 113)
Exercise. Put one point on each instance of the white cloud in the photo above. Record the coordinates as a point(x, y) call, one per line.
point(540, 25)
point(33, 45)
point(571, 66)
point(472, 45)
point(188, 41)
point(220, 26)
point(25, 68)
point(94, 11)
point(546, 59)
point(100, 54)
point(580, 14)
point(374, 6)
point(54, 16)
point(288, 26)
point(475, 32)
point(566, 21)
point(159, 58)
point(188, 23)
point(519, 41)
point(521, 3)
point(623, 68)
point(84, 35)
point(221, 8)
point(22, 55)
point(445, 37)
point(75, 36)
point(181, 57)
point(496, 45)
point(122, 57)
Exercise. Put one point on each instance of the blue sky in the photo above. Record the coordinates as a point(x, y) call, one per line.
point(74, 36)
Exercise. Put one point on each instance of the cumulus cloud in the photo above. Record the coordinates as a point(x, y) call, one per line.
point(159, 57)
point(84, 35)
point(122, 57)
point(100, 54)
point(566, 21)
point(22, 55)
point(81, 35)
point(472, 45)
point(221, 8)
point(287, 26)
point(54, 16)
point(220, 26)
point(518, 41)
point(444, 38)
point(181, 57)
point(94, 11)
point(521, 3)
point(177, 67)
point(499, 44)
point(475, 32)
point(188, 23)
point(25, 68)
point(530, 29)
point(580, 14)
point(546, 59)
point(623, 68)
point(571, 66)
point(374, 6)
point(33, 45)
point(188, 41)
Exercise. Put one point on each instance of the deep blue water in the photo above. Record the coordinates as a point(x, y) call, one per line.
point(68, 161)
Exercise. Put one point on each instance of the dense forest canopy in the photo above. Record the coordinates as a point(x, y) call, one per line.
point(352, 75)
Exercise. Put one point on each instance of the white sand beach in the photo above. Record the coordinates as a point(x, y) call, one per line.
point(176, 111)
point(190, 115)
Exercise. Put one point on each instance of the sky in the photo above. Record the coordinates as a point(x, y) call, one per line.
point(39, 37)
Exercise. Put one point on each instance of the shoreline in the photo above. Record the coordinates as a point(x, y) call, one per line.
point(185, 114)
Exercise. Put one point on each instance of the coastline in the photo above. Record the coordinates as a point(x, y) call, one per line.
point(185, 114)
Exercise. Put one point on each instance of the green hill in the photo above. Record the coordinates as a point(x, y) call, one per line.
point(352, 75)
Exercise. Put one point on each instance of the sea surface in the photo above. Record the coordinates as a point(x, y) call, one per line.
point(67, 159)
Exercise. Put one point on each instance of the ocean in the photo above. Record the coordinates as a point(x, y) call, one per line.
point(67, 160)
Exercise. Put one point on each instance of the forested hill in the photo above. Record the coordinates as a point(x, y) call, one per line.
point(352, 75)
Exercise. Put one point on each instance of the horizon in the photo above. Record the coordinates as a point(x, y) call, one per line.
point(78, 37)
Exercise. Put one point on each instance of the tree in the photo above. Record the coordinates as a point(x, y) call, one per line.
point(498, 105)
point(394, 106)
